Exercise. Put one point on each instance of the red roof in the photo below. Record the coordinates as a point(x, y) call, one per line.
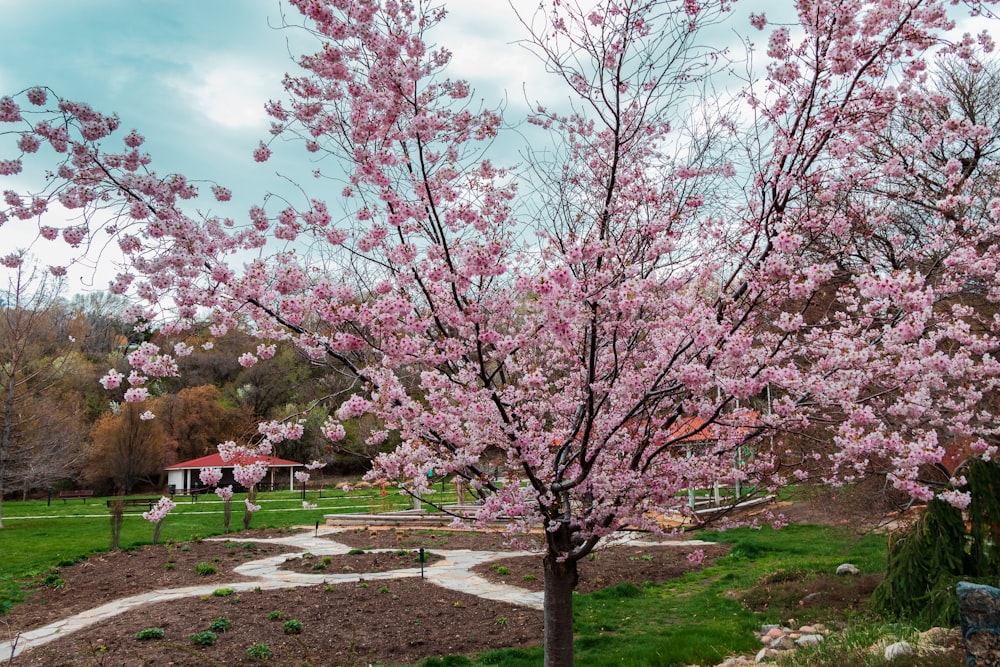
point(215, 461)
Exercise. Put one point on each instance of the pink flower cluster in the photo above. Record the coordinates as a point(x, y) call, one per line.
point(160, 510)
point(249, 474)
point(210, 476)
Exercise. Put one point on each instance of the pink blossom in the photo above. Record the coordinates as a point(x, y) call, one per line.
point(247, 359)
point(758, 21)
point(334, 430)
point(225, 492)
point(160, 510)
point(12, 261)
point(250, 474)
point(147, 416)
point(38, 96)
point(301, 477)
point(112, 379)
point(210, 476)
point(315, 465)
point(250, 507)
point(136, 395)
point(221, 193)
point(261, 153)
point(10, 167)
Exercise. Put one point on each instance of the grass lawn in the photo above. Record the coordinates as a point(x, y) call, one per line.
point(699, 619)
point(38, 535)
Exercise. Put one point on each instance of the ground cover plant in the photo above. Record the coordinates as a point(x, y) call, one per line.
point(670, 292)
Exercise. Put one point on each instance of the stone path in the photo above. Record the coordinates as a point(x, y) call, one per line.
point(453, 572)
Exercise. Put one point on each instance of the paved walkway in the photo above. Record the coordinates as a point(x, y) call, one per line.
point(453, 572)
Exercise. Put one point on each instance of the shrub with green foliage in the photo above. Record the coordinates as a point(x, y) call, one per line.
point(206, 638)
point(150, 633)
point(259, 651)
point(220, 624)
point(940, 550)
point(293, 627)
point(204, 569)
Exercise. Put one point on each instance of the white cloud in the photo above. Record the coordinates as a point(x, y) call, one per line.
point(229, 91)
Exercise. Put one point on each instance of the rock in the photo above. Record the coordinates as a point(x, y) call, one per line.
point(979, 608)
point(765, 655)
point(782, 643)
point(897, 650)
point(774, 633)
point(808, 630)
point(809, 599)
point(809, 640)
point(847, 568)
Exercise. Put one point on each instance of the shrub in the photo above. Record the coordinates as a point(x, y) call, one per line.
point(355, 552)
point(204, 569)
point(220, 624)
point(150, 633)
point(293, 627)
point(259, 651)
point(275, 616)
point(53, 580)
point(206, 638)
point(223, 592)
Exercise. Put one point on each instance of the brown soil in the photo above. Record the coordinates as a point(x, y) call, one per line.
point(398, 621)
point(362, 562)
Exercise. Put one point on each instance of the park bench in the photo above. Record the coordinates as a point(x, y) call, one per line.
point(80, 493)
point(194, 493)
point(135, 504)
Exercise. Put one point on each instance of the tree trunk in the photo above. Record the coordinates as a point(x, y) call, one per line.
point(560, 580)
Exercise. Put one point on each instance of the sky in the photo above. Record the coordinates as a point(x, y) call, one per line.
point(193, 75)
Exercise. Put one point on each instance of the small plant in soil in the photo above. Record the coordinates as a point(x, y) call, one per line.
point(223, 592)
point(384, 589)
point(293, 627)
point(275, 616)
point(530, 577)
point(327, 560)
point(318, 566)
point(259, 651)
point(53, 580)
point(169, 565)
point(220, 624)
point(205, 569)
point(232, 545)
point(206, 638)
point(355, 552)
point(500, 620)
point(150, 633)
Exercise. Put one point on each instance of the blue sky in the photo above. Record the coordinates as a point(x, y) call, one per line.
point(193, 76)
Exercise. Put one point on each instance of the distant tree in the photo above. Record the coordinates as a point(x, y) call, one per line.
point(194, 422)
point(126, 449)
point(33, 359)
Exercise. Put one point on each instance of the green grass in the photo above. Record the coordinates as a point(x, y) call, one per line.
point(699, 619)
point(38, 536)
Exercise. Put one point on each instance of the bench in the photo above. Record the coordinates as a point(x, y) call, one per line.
point(194, 493)
point(82, 494)
point(135, 504)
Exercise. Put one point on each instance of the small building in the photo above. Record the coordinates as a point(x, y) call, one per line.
point(185, 475)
